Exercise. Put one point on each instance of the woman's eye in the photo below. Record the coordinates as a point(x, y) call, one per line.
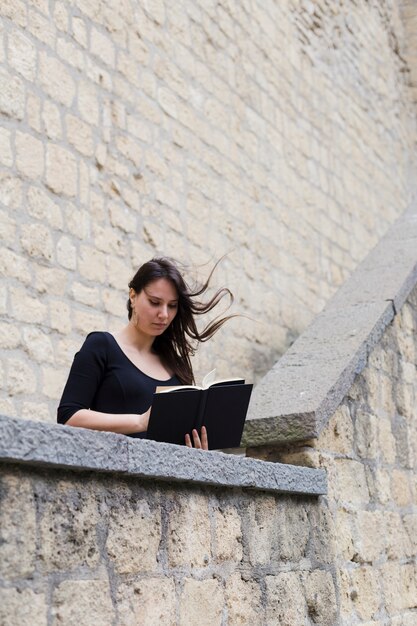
point(153, 302)
point(173, 306)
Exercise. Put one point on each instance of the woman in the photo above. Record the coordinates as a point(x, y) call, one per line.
point(114, 376)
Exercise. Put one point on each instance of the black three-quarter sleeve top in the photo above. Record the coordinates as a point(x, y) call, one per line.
point(102, 378)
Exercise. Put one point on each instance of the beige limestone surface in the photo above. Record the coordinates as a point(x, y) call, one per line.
point(85, 548)
point(279, 133)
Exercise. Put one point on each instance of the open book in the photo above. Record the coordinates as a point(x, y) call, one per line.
point(219, 405)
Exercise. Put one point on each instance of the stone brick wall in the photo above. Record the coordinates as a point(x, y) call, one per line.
point(280, 133)
point(104, 551)
point(84, 548)
point(369, 450)
point(408, 12)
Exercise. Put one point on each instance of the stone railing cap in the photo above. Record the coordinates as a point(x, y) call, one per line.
point(297, 397)
point(52, 445)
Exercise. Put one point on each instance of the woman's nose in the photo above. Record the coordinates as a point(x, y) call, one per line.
point(163, 312)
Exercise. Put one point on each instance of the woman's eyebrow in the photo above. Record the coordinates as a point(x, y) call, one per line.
point(157, 297)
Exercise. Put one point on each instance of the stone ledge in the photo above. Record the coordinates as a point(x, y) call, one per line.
point(294, 401)
point(50, 445)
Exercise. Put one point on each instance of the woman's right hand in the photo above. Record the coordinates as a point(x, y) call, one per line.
point(200, 441)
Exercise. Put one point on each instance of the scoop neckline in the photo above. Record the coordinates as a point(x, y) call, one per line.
point(159, 380)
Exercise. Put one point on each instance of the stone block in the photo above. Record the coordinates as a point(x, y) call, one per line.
point(87, 321)
point(12, 95)
point(56, 79)
point(366, 435)
point(379, 485)
point(37, 411)
point(51, 117)
point(14, 266)
point(60, 317)
point(70, 53)
point(9, 335)
point(400, 487)
point(259, 533)
point(410, 524)
point(243, 601)
point(82, 603)
point(189, 532)
point(21, 377)
point(386, 440)
point(61, 446)
point(60, 16)
point(68, 529)
point(148, 602)
point(119, 273)
point(409, 585)
point(80, 135)
point(392, 587)
point(22, 608)
point(77, 220)
point(66, 253)
point(51, 281)
point(338, 434)
point(79, 31)
point(130, 149)
point(134, 535)
point(405, 399)
point(109, 240)
point(397, 540)
point(290, 530)
point(42, 207)
point(61, 170)
point(86, 295)
point(366, 592)
point(92, 265)
point(53, 381)
point(370, 544)
point(37, 344)
point(285, 600)
point(42, 28)
point(324, 537)
point(33, 112)
point(17, 529)
point(102, 47)
point(321, 598)
point(201, 603)
point(21, 54)
point(122, 218)
point(350, 484)
point(37, 241)
point(10, 190)
point(228, 535)
point(6, 155)
point(112, 301)
point(87, 101)
point(15, 10)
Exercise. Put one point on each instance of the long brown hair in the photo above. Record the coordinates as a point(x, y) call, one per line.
point(179, 341)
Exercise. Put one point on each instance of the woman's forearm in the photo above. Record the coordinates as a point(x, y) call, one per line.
point(124, 423)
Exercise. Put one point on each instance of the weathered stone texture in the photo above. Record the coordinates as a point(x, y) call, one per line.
point(17, 527)
point(191, 130)
point(82, 603)
point(133, 538)
point(125, 552)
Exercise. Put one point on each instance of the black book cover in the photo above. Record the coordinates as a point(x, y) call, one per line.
point(221, 408)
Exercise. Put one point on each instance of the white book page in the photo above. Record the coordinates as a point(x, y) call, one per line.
point(209, 379)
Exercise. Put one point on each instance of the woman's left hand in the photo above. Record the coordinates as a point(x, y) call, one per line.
point(200, 441)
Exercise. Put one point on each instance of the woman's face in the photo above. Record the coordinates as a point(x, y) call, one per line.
point(154, 308)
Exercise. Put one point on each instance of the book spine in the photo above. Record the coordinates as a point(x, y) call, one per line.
point(199, 421)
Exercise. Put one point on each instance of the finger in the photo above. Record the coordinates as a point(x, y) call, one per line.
point(204, 438)
point(196, 438)
point(188, 441)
